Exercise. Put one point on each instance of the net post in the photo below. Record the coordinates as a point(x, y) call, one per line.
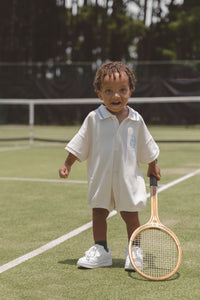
point(31, 122)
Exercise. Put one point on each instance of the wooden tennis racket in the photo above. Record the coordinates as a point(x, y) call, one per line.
point(157, 244)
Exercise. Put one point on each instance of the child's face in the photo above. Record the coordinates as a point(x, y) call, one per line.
point(115, 92)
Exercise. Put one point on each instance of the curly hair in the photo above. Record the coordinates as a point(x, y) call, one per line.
point(110, 69)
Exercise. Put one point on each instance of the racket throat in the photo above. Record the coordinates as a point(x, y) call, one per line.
point(154, 206)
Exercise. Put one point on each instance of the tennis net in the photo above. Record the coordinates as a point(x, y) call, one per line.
point(33, 113)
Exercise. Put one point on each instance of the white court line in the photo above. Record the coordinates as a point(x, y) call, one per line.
point(77, 231)
point(42, 180)
point(14, 148)
point(46, 180)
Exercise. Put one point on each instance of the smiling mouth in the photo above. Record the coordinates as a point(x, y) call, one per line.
point(116, 103)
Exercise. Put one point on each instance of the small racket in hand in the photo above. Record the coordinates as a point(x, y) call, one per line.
point(157, 244)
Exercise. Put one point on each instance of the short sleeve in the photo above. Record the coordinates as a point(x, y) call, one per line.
point(148, 150)
point(79, 144)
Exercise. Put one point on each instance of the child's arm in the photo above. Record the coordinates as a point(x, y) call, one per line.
point(154, 169)
point(66, 168)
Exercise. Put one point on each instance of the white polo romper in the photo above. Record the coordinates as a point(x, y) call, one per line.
point(113, 152)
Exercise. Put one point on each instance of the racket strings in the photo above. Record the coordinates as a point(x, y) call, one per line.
point(159, 250)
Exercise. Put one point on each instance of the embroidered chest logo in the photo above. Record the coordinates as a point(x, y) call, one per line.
point(133, 141)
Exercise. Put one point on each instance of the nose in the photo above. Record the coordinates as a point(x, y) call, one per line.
point(116, 95)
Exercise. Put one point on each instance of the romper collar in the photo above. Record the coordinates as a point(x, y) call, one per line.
point(133, 114)
point(105, 114)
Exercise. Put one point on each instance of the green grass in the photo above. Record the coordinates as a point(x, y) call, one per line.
point(176, 133)
point(35, 213)
point(190, 132)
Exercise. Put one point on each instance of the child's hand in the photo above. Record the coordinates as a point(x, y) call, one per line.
point(66, 168)
point(154, 169)
point(64, 171)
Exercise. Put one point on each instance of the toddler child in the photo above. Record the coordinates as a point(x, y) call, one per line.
point(115, 141)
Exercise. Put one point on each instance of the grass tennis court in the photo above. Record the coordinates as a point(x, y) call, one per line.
point(33, 213)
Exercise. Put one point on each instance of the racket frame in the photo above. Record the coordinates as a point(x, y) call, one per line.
point(154, 223)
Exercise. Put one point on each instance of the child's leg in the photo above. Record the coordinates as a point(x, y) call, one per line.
point(98, 255)
point(132, 221)
point(100, 226)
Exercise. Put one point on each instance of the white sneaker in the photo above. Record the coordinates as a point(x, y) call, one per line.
point(95, 257)
point(138, 258)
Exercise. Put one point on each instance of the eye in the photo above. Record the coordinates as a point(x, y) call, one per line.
point(123, 90)
point(108, 91)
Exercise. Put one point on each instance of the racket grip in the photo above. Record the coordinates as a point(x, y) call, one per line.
point(153, 180)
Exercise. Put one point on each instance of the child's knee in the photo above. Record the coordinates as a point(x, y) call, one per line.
point(100, 213)
point(129, 217)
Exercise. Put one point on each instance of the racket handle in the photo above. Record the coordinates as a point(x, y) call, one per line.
point(153, 180)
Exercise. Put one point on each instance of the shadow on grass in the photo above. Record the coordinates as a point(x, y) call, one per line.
point(68, 262)
point(136, 276)
point(117, 262)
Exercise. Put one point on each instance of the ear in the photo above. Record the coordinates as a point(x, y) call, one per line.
point(99, 94)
